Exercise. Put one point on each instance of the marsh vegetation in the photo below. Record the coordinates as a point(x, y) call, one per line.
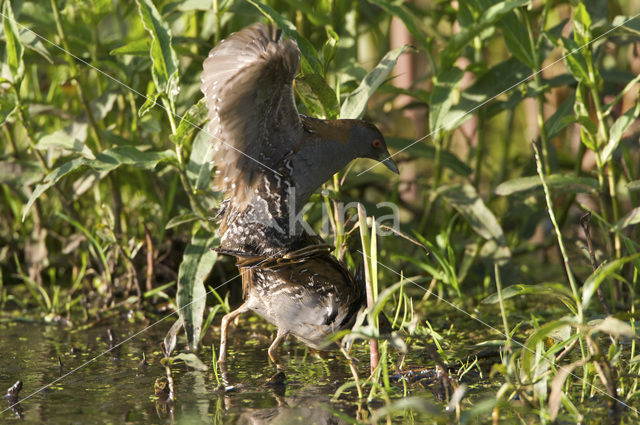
point(510, 282)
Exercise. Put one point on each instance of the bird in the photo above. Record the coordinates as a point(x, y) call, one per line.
point(307, 293)
point(269, 160)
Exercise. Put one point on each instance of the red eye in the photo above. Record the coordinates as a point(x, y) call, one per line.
point(377, 143)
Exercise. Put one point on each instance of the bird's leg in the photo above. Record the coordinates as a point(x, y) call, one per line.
point(278, 379)
point(280, 336)
point(224, 374)
point(224, 327)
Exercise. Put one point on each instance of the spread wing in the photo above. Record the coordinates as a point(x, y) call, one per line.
point(248, 85)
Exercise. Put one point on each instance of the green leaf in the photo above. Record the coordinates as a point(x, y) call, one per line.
point(102, 105)
point(8, 105)
point(575, 60)
point(74, 135)
point(199, 166)
point(614, 77)
point(194, 119)
point(51, 179)
point(32, 42)
point(107, 160)
point(466, 200)
point(310, 62)
point(99, 249)
point(368, 257)
point(517, 39)
point(546, 289)
point(100, 8)
point(500, 78)
point(443, 96)
point(383, 297)
point(113, 158)
point(355, 104)
point(567, 182)
point(135, 48)
point(406, 16)
point(165, 62)
point(561, 118)
point(630, 25)
point(603, 271)
point(539, 335)
point(587, 126)
point(581, 25)
point(618, 129)
point(150, 100)
point(20, 173)
point(15, 50)
point(196, 265)
point(312, 105)
point(317, 95)
point(487, 19)
point(319, 18)
point(181, 219)
point(631, 218)
point(67, 139)
point(329, 49)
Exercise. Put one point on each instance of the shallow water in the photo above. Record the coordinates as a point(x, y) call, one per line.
point(97, 384)
point(114, 388)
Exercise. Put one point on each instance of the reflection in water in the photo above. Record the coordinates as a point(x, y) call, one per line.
point(275, 402)
point(122, 387)
point(310, 406)
point(13, 396)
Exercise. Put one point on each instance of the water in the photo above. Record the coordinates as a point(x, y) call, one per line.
point(115, 388)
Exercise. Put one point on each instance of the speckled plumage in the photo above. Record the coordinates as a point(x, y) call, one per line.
point(307, 293)
point(310, 299)
point(269, 160)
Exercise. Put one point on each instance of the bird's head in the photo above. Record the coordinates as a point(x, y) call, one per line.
point(368, 142)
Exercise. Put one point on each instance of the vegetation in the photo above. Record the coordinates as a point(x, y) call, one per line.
point(517, 137)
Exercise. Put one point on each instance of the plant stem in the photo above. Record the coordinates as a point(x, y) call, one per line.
point(338, 219)
point(12, 141)
point(506, 145)
point(113, 183)
point(505, 323)
point(438, 142)
point(374, 355)
point(552, 216)
point(170, 113)
point(585, 223)
point(30, 138)
point(216, 17)
point(354, 371)
point(603, 136)
point(183, 177)
point(540, 96)
point(480, 149)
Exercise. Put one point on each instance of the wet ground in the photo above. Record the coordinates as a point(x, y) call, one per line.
point(116, 388)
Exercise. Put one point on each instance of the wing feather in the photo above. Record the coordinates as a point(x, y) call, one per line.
point(247, 81)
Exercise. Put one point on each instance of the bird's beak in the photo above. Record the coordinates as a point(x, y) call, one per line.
point(390, 164)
